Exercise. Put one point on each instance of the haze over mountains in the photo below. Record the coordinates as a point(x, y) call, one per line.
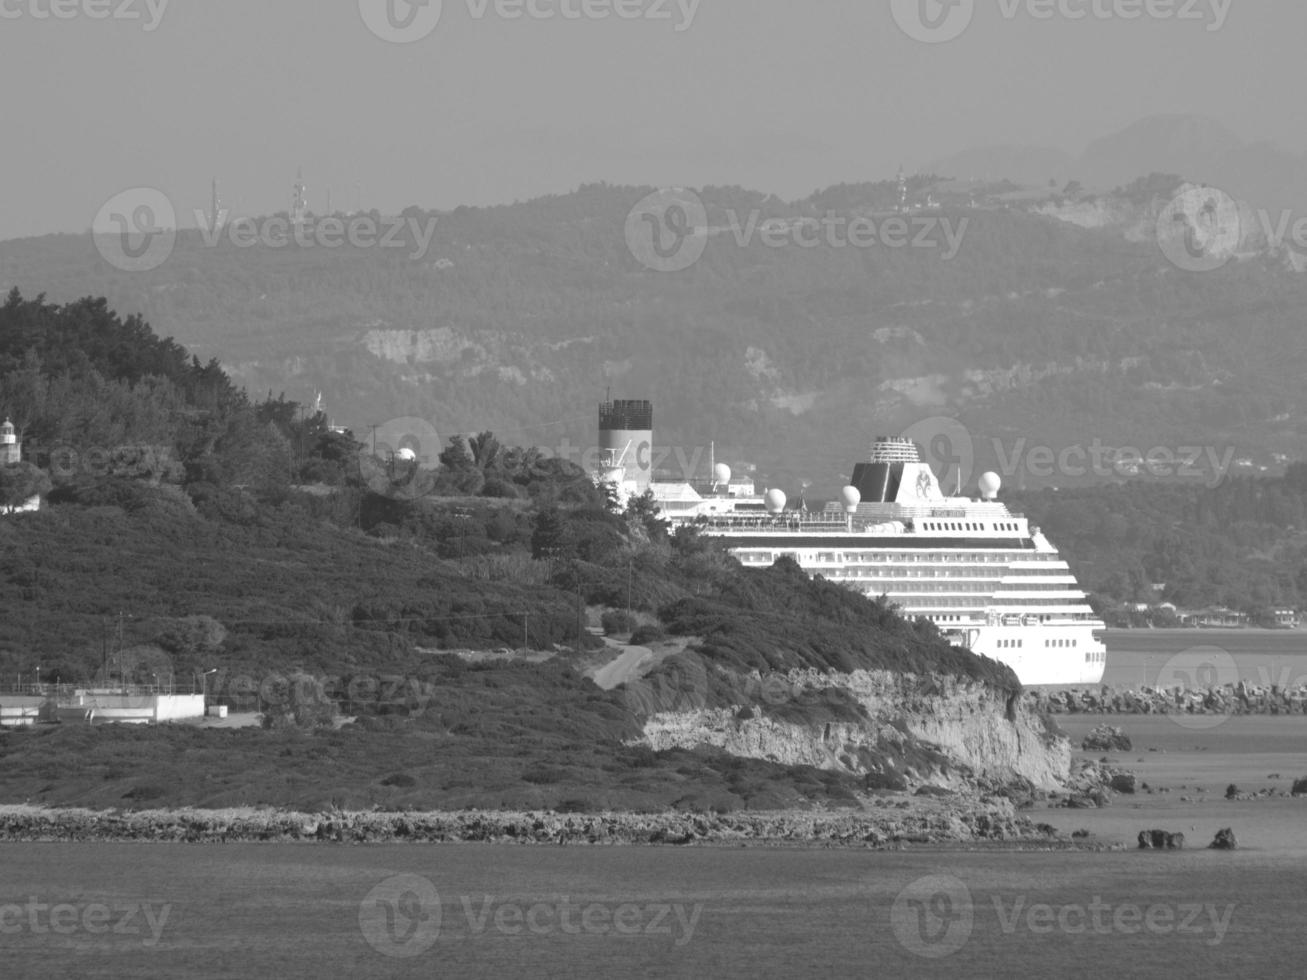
point(1059, 323)
point(1198, 148)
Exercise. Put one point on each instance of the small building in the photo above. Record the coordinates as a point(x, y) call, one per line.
point(1213, 618)
point(1286, 618)
point(107, 707)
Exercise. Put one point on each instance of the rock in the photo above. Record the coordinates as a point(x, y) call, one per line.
point(1299, 787)
point(1224, 841)
point(1160, 840)
point(1123, 782)
point(1106, 738)
point(1231, 792)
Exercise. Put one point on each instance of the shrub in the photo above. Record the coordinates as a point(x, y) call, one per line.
point(646, 635)
point(617, 621)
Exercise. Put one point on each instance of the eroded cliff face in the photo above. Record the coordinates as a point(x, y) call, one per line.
point(938, 730)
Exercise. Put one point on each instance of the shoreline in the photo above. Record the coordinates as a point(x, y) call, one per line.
point(884, 823)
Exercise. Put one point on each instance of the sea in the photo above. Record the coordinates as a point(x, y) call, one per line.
point(292, 911)
point(1188, 657)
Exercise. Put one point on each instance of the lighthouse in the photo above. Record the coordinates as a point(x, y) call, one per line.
point(11, 450)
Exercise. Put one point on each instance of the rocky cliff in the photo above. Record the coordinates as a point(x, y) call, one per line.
point(898, 730)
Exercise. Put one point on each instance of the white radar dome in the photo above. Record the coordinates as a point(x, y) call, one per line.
point(722, 473)
point(406, 456)
point(851, 497)
point(990, 485)
point(775, 501)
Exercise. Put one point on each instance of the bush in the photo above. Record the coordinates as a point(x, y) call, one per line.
point(646, 635)
point(618, 621)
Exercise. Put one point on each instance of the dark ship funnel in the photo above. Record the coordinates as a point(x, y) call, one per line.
point(878, 480)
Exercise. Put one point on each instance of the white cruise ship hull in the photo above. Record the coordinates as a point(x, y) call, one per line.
point(1042, 656)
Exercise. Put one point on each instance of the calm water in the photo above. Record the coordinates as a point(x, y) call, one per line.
point(292, 911)
point(1138, 658)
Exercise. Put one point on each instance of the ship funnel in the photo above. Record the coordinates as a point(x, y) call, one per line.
point(877, 481)
point(626, 440)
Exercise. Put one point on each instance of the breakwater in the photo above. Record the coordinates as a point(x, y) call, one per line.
point(882, 822)
point(1229, 699)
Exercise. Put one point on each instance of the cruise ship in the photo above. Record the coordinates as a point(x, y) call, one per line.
point(981, 573)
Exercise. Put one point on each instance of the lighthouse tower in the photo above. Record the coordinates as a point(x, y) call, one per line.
point(11, 450)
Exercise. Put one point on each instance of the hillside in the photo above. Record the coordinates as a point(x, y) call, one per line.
point(354, 615)
point(792, 358)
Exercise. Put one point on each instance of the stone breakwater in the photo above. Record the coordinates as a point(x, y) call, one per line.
point(1230, 699)
point(884, 822)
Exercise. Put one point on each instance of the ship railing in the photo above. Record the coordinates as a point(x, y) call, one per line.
point(773, 523)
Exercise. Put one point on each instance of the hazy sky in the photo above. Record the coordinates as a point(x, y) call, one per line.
point(778, 95)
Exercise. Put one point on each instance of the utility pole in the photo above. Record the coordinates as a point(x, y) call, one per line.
point(580, 626)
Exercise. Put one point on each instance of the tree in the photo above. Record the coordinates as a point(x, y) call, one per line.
point(455, 456)
point(20, 482)
point(644, 510)
point(548, 536)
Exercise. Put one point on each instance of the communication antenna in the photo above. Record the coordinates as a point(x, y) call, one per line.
point(300, 202)
point(215, 207)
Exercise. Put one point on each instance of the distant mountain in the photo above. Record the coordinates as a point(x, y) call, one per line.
point(1041, 332)
point(1193, 146)
point(1197, 148)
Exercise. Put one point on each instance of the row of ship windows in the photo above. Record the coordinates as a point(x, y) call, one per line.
point(961, 602)
point(952, 560)
point(1011, 644)
point(986, 587)
point(963, 526)
point(1095, 658)
point(1061, 643)
point(994, 576)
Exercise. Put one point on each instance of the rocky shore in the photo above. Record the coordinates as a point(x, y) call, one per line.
point(883, 822)
point(1230, 699)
